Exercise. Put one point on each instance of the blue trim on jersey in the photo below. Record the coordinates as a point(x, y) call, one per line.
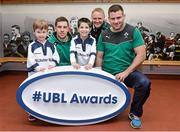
point(35, 46)
point(92, 53)
point(44, 47)
point(50, 45)
point(55, 62)
point(32, 68)
point(78, 40)
point(73, 52)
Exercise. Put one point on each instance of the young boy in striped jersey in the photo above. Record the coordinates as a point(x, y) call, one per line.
point(83, 46)
point(42, 54)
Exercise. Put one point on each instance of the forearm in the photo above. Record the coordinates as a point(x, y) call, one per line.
point(138, 60)
point(99, 59)
point(72, 58)
point(92, 59)
point(98, 62)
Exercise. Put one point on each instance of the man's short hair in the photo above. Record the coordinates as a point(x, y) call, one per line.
point(40, 24)
point(16, 26)
point(98, 10)
point(115, 8)
point(73, 18)
point(158, 33)
point(51, 25)
point(6, 34)
point(61, 19)
point(26, 33)
point(139, 23)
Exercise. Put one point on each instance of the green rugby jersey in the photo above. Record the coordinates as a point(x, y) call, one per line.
point(63, 49)
point(118, 48)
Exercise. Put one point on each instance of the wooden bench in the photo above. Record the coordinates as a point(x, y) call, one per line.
point(12, 59)
point(162, 63)
point(146, 62)
point(161, 67)
point(148, 67)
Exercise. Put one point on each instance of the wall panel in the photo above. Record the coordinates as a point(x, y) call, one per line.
point(84, 1)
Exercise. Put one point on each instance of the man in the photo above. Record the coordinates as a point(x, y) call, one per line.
point(177, 47)
point(160, 41)
point(121, 50)
point(15, 31)
point(6, 43)
point(26, 40)
point(62, 39)
point(13, 50)
point(74, 26)
point(141, 27)
point(50, 30)
point(98, 22)
point(143, 31)
point(169, 47)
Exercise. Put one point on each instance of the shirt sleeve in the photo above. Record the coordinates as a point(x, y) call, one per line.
point(138, 39)
point(100, 45)
point(93, 53)
point(31, 63)
point(73, 51)
point(55, 57)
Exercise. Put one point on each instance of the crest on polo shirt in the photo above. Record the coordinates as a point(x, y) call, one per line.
point(126, 35)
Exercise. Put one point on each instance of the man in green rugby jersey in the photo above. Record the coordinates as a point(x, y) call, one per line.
point(121, 51)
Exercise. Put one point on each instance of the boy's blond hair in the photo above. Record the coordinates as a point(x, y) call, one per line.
point(40, 24)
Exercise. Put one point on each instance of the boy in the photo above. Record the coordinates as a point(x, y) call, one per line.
point(42, 54)
point(83, 46)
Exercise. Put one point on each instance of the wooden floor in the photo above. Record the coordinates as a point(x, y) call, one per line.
point(161, 112)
